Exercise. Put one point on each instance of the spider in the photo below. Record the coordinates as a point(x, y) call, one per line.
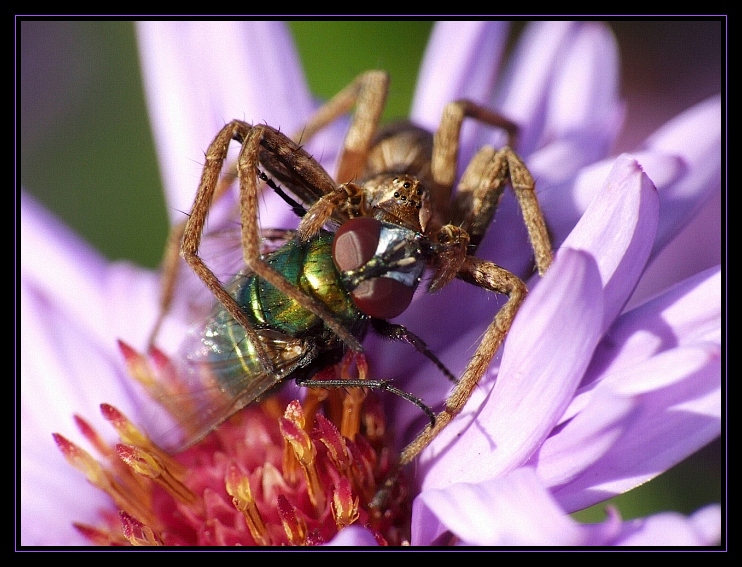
point(394, 214)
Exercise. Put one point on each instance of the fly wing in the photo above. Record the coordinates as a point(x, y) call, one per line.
point(221, 250)
point(217, 373)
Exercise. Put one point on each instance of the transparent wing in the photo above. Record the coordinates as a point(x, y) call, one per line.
point(217, 372)
point(221, 250)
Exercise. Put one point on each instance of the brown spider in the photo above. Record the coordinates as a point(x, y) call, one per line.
point(396, 214)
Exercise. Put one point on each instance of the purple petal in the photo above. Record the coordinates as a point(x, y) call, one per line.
point(651, 397)
point(623, 438)
point(53, 495)
point(578, 113)
point(462, 60)
point(696, 248)
point(585, 93)
point(65, 368)
point(561, 85)
point(563, 314)
point(60, 364)
point(617, 229)
point(200, 75)
point(589, 182)
point(690, 232)
point(584, 112)
point(354, 536)
point(684, 168)
point(528, 76)
point(59, 262)
point(73, 307)
point(685, 315)
point(514, 509)
point(694, 136)
point(588, 430)
point(703, 527)
point(109, 301)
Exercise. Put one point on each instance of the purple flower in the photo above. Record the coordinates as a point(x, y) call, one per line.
point(610, 375)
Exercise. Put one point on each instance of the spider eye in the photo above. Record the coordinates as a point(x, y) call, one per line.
point(354, 245)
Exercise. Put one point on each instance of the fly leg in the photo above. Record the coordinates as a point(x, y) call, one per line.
point(401, 333)
point(381, 385)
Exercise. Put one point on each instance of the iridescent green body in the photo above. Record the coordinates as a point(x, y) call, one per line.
point(220, 367)
point(309, 267)
point(296, 340)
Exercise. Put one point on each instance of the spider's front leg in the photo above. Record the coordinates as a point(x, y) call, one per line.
point(367, 93)
point(170, 265)
point(257, 144)
point(479, 193)
point(446, 142)
point(474, 206)
point(194, 227)
point(494, 278)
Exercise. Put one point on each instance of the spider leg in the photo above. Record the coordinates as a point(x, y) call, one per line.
point(170, 269)
point(215, 156)
point(288, 163)
point(334, 204)
point(446, 143)
point(368, 93)
point(479, 193)
point(171, 258)
point(306, 168)
point(494, 278)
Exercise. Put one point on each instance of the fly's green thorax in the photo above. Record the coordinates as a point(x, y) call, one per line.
point(307, 266)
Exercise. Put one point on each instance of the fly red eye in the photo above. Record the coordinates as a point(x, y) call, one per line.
point(354, 245)
point(382, 298)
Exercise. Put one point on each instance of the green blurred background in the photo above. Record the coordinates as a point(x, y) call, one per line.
point(87, 153)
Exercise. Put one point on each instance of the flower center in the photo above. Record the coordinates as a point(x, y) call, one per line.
point(272, 474)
